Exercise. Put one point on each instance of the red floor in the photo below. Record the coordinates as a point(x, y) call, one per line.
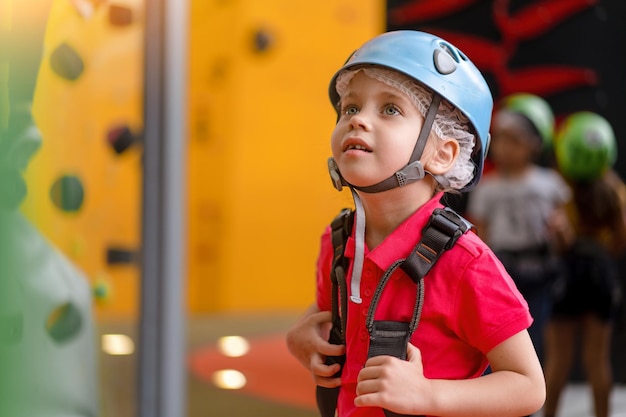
point(290, 383)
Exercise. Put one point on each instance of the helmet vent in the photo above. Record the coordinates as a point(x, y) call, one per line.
point(444, 62)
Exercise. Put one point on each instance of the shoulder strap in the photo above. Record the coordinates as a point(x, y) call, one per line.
point(441, 232)
point(341, 228)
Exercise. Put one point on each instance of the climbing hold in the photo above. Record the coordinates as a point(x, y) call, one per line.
point(121, 138)
point(66, 62)
point(263, 40)
point(101, 289)
point(67, 193)
point(116, 256)
point(120, 15)
point(64, 322)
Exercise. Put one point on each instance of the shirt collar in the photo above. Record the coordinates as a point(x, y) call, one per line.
point(402, 240)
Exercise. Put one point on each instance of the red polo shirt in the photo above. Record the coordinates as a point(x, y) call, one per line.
point(470, 305)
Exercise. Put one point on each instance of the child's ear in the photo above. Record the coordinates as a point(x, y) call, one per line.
point(444, 156)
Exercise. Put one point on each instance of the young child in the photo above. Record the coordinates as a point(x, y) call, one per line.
point(518, 207)
point(410, 96)
point(589, 293)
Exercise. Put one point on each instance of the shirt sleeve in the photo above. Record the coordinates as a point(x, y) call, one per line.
point(489, 307)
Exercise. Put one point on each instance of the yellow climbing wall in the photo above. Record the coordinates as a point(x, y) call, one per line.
point(260, 124)
point(84, 184)
point(259, 128)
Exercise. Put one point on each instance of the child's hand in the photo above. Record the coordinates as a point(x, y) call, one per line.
point(307, 341)
point(394, 384)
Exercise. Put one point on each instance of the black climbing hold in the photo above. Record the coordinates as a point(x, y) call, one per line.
point(121, 138)
point(117, 256)
point(263, 40)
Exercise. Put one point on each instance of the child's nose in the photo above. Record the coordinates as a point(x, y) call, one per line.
point(360, 120)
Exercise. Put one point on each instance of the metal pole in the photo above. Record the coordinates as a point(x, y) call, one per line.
point(161, 373)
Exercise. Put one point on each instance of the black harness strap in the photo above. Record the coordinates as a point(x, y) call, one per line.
point(341, 227)
point(386, 337)
point(392, 337)
point(440, 234)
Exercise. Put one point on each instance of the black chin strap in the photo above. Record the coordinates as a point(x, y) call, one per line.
point(413, 171)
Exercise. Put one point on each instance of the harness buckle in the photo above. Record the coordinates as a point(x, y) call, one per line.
point(450, 224)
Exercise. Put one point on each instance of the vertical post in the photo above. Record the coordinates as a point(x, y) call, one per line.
point(161, 361)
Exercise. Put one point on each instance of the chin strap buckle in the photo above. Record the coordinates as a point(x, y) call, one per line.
point(410, 173)
point(335, 175)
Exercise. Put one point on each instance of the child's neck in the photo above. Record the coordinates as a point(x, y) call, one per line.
point(384, 212)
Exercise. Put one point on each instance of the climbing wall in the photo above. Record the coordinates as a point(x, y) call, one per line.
point(47, 338)
point(259, 129)
point(84, 184)
point(260, 123)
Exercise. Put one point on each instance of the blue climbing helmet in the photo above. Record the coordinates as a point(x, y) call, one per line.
point(447, 72)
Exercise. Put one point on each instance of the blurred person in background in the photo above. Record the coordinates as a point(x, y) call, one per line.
point(588, 294)
point(518, 207)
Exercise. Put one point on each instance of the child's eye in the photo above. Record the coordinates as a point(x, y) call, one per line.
point(350, 110)
point(391, 110)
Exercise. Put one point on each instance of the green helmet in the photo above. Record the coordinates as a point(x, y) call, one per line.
point(585, 146)
point(537, 110)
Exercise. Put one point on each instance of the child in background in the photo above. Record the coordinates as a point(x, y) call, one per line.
point(413, 121)
point(588, 295)
point(518, 207)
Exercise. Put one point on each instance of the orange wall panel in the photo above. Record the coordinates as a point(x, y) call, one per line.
point(260, 124)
